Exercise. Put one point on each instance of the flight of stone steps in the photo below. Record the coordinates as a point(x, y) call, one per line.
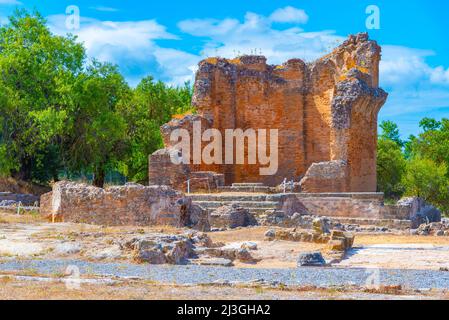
point(246, 187)
point(260, 201)
point(251, 196)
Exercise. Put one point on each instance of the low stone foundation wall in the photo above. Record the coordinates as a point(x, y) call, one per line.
point(131, 204)
point(368, 206)
point(356, 205)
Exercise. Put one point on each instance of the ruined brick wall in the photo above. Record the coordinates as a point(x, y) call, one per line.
point(325, 111)
point(131, 204)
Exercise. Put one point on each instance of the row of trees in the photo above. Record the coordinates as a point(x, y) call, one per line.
point(61, 114)
point(417, 166)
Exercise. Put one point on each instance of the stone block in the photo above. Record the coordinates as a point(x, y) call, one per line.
point(131, 204)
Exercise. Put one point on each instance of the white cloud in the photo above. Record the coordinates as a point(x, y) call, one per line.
point(10, 2)
point(289, 15)
point(402, 66)
point(255, 34)
point(207, 27)
point(104, 9)
point(413, 85)
point(131, 45)
point(440, 75)
point(177, 66)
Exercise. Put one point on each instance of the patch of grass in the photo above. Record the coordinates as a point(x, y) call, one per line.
point(392, 290)
point(5, 279)
point(31, 272)
point(259, 290)
point(390, 202)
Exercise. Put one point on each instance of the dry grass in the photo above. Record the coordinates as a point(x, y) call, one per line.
point(27, 218)
point(11, 289)
point(366, 239)
point(28, 290)
point(246, 234)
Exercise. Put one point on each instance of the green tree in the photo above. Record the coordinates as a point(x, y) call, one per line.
point(429, 124)
point(390, 131)
point(37, 72)
point(152, 105)
point(98, 132)
point(426, 179)
point(409, 145)
point(391, 166)
point(433, 143)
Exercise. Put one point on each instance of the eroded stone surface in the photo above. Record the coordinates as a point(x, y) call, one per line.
point(325, 111)
point(311, 259)
point(131, 204)
point(231, 216)
point(418, 211)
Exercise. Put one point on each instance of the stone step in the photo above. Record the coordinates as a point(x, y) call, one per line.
point(248, 185)
point(252, 189)
point(267, 205)
point(233, 197)
point(257, 212)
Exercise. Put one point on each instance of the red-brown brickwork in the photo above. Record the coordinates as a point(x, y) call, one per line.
point(325, 111)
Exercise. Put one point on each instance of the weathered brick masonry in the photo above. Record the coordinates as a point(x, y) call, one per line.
point(325, 111)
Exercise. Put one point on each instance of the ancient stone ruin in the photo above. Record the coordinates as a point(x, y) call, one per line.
point(131, 204)
point(325, 112)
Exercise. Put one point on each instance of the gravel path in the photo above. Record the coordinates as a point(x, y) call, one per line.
point(192, 274)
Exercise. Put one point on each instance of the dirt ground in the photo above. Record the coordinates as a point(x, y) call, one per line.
point(390, 251)
point(29, 237)
point(12, 289)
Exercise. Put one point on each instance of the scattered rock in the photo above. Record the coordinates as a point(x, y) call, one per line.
point(337, 245)
point(199, 218)
point(341, 241)
point(111, 253)
point(151, 256)
point(200, 239)
point(161, 249)
point(311, 259)
point(433, 229)
point(244, 256)
point(215, 262)
point(321, 225)
point(231, 216)
point(67, 248)
point(270, 235)
point(249, 245)
point(418, 211)
point(325, 224)
point(297, 236)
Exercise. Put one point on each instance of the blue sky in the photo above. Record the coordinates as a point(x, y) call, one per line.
point(167, 39)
